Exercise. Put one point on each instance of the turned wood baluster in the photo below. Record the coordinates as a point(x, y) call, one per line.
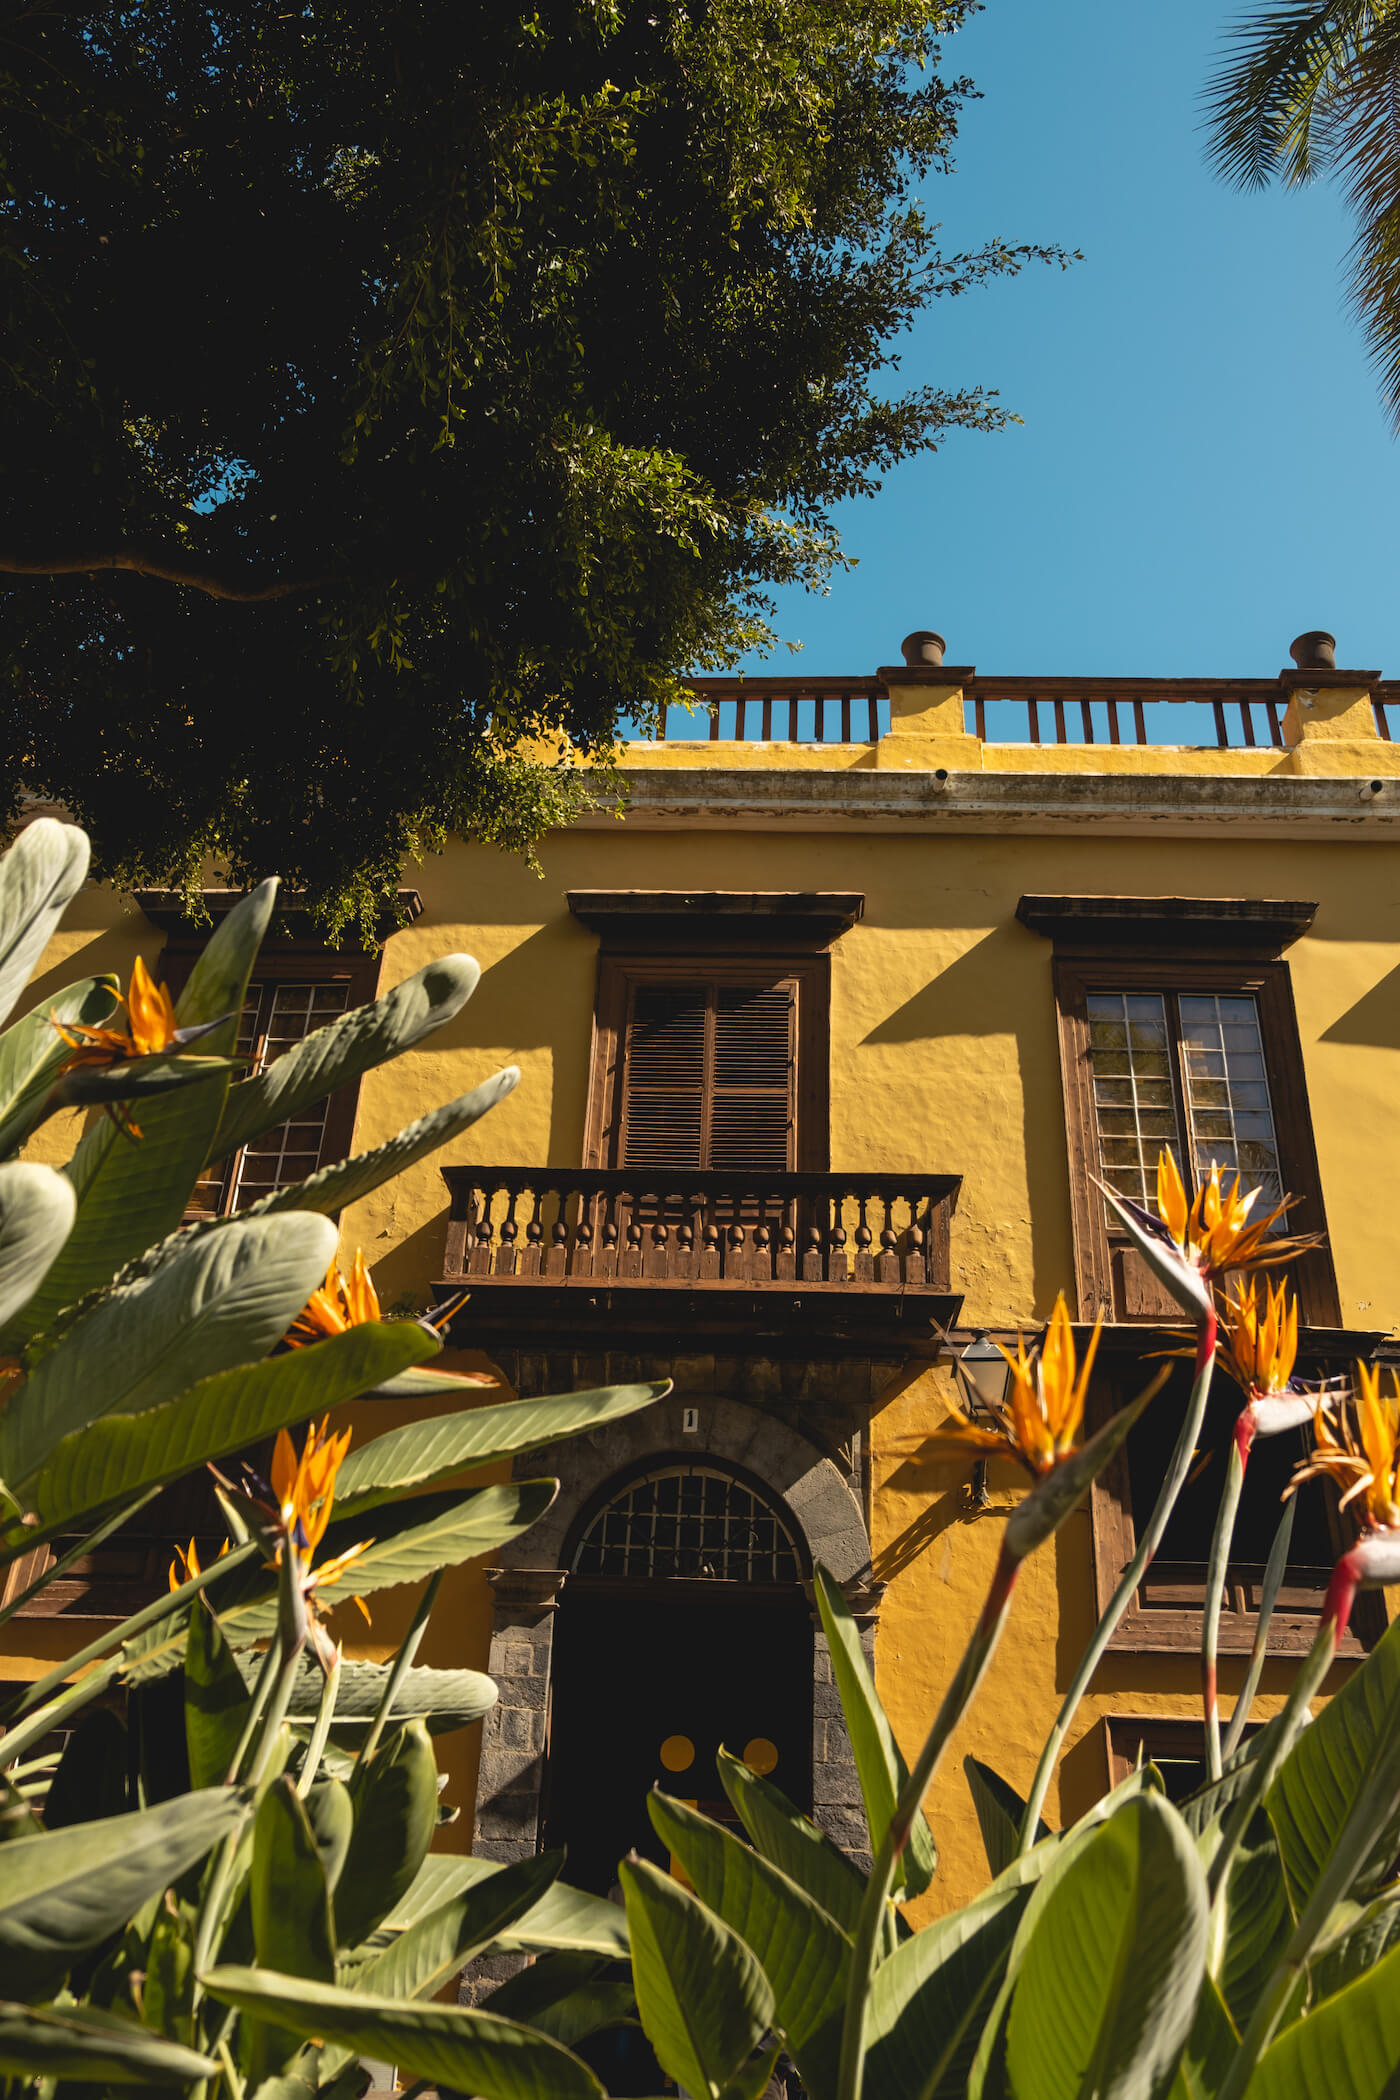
point(657, 1257)
point(556, 1262)
point(812, 1268)
point(785, 1263)
point(582, 1262)
point(630, 1262)
point(864, 1271)
point(736, 1254)
point(914, 1268)
point(478, 1241)
point(531, 1254)
point(608, 1258)
point(505, 1258)
point(836, 1270)
point(710, 1263)
point(762, 1254)
point(888, 1268)
point(684, 1261)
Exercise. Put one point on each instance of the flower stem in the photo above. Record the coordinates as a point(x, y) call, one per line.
point(407, 1650)
point(870, 1924)
point(325, 1714)
point(1268, 1597)
point(1149, 1540)
point(1222, 1538)
point(262, 1685)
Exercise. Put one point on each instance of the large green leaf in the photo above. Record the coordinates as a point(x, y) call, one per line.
point(344, 1049)
point(422, 1453)
point(287, 1893)
point(64, 1893)
point(880, 1768)
point(1372, 1933)
point(565, 1919)
point(217, 1701)
point(131, 1192)
point(32, 1050)
point(80, 2042)
point(1261, 1923)
point(804, 1954)
point(1349, 2049)
point(929, 1999)
point(416, 1537)
point(332, 1820)
point(999, 1812)
point(395, 1803)
point(120, 1455)
point(39, 878)
point(563, 1995)
point(1210, 2048)
point(37, 1210)
point(1109, 1977)
point(333, 1187)
point(1325, 1772)
point(471, 2051)
point(220, 1299)
point(704, 2001)
point(426, 1956)
point(443, 1698)
point(793, 1843)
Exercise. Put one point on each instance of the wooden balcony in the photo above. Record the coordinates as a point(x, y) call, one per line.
point(819, 1261)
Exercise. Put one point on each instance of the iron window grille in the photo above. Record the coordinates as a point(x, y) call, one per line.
point(689, 1521)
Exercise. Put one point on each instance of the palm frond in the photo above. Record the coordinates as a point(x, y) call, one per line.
point(1272, 108)
point(1368, 161)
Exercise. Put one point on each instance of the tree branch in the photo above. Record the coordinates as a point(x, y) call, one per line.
point(162, 568)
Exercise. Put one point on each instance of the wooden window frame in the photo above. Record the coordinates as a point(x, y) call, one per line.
point(1160, 1735)
point(617, 974)
point(298, 962)
point(1075, 976)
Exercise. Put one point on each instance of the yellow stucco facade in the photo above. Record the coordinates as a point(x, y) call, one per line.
point(944, 1057)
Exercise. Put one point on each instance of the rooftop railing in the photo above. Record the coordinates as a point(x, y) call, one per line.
point(1194, 713)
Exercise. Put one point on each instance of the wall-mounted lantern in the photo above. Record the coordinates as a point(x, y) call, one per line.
point(986, 1379)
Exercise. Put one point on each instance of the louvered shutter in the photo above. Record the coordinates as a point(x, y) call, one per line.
point(751, 1095)
point(664, 1098)
point(709, 1076)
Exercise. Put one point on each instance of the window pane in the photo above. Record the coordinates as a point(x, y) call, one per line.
point(1133, 1104)
point(1227, 1092)
point(275, 1017)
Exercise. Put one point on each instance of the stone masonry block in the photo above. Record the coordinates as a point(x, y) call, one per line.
point(522, 1728)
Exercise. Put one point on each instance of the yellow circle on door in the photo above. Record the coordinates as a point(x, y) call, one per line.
point(677, 1753)
point(760, 1755)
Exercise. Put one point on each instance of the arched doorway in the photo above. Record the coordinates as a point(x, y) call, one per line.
point(683, 1624)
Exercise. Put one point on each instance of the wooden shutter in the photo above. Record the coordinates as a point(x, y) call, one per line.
point(709, 1076)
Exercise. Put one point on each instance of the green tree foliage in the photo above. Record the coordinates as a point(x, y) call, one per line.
point(431, 378)
point(1311, 91)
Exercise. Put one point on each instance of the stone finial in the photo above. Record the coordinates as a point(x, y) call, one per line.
point(1314, 651)
point(923, 648)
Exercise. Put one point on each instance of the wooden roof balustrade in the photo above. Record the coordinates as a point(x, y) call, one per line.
point(804, 1261)
point(1195, 713)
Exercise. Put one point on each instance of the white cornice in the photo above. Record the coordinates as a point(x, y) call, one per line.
point(1170, 805)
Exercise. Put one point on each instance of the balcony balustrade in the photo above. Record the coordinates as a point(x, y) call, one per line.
point(698, 1248)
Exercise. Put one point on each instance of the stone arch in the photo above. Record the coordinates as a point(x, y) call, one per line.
point(819, 1500)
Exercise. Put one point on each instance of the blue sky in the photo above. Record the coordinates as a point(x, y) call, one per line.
point(1203, 470)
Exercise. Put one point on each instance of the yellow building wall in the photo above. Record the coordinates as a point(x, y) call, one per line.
point(943, 1057)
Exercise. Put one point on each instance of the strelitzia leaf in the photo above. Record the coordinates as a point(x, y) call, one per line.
point(793, 1843)
point(345, 1049)
point(32, 1050)
point(67, 1891)
point(929, 1999)
point(120, 1455)
point(704, 2001)
point(395, 1803)
point(37, 1209)
point(421, 1454)
point(803, 1953)
point(223, 1298)
point(349, 1179)
point(564, 1920)
point(1373, 1933)
point(82, 2043)
point(999, 1811)
point(1346, 2049)
point(1114, 2021)
point(563, 1996)
point(216, 1700)
point(133, 1193)
point(426, 1956)
point(494, 2059)
point(39, 878)
point(1326, 1772)
point(879, 1766)
point(445, 1699)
